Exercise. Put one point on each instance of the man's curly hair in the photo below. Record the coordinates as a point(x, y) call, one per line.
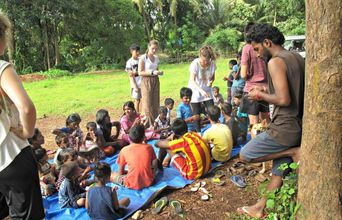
point(259, 32)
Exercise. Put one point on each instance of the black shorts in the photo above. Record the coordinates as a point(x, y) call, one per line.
point(199, 107)
point(253, 107)
point(19, 185)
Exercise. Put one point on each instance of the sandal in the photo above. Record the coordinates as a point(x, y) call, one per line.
point(159, 205)
point(238, 181)
point(205, 194)
point(217, 178)
point(197, 186)
point(176, 207)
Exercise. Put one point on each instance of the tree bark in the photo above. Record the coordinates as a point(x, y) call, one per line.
point(320, 177)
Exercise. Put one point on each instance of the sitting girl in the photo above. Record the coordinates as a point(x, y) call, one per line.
point(37, 140)
point(72, 128)
point(93, 144)
point(132, 118)
point(47, 172)
point(104, 127)
point(101, 200)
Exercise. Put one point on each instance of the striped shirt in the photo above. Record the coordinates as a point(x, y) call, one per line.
point(197, 154)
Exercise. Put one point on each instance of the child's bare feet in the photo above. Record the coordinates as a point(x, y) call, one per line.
point(251, 211)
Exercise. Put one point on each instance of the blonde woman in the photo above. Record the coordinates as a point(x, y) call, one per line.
point(150, 86)
point(202, 75)
point(20, 196)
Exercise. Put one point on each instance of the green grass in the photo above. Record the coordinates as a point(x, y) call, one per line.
point(86, 93)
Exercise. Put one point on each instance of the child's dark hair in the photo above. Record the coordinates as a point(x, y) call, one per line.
point(233, 62)
point(101, 116)
point(91, 124)
point(35, 135)
point(137, 134)
point(68, 169)
point(226, 108)
point(60, 137)
point(185, 92)
point(102, 172)
point(162, 109)
point(179, 127)
point(238, 94)
point(216, 88)
point(260, 32)
point(39, 153)
point(169, 101)
point(74, 117)
point(65, 154)
point(134, 47)
point(214, 113)
point(128, 104)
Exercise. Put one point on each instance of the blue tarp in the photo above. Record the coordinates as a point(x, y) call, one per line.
point(169, 178)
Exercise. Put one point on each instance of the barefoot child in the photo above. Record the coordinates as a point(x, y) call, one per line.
point(184, 110)
point(37, 140)
point(102, 201)
point(162, 124)
point(141, 161)
point(218, 99)
point(169, 103)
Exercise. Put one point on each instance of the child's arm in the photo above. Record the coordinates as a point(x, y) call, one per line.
point(86, 201)
point(164, 144)
point(115, 200)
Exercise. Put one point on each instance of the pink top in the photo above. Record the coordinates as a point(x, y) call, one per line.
point(138, 158)
point(126, 124)
point(256, 73)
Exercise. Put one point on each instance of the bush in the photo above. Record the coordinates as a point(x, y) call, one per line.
point(177, 56)
point(224, 40)
point(55, 73)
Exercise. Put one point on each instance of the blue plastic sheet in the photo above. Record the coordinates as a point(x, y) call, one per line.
point(169, 178)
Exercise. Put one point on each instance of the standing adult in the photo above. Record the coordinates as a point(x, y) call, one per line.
point(286, 91)
point(253, 70)
point(150, 86)
point(202, 75)
point(20, 196)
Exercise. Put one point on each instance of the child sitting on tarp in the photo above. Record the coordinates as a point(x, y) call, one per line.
point(102, 201)
point(47, 172)
point(70, 194)
point(141, 161)
point(162, 123)
point(231, 122)
point(190, 155)
point(169, 103)
point(184, 110)
point(218, 136)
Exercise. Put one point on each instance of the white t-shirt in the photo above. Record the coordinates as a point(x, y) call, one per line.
point(202, 78)
point(149, 65)
point(132, 64)
point(10, 144)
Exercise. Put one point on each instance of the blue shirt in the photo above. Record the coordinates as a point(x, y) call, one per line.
point(184, 111)
point(240, 82)
point(69, 193)
point(101, 204)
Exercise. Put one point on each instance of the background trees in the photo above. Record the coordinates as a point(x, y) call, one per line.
point(95, 34)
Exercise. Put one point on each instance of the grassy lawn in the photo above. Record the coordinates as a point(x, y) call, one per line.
point(86, 93)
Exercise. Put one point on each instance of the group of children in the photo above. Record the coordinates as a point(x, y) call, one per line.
point(180, 146)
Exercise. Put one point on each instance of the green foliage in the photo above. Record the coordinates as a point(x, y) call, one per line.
point(281, 204)
point(224, 40)
point(293, 26)
point(55, 73)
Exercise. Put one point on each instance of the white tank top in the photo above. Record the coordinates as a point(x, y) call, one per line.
point(149, 65)
point(10, 144)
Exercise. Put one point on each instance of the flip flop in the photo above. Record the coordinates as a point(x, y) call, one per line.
point(176, 207)
point(238, 181)
point(205, 194)
point(197, 186)
point(243, 211)
point(159, 205)
point(217, 181)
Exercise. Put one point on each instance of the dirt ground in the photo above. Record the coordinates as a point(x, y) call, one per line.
point(223, 203)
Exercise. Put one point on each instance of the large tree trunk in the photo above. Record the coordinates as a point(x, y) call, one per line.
point(320, 177)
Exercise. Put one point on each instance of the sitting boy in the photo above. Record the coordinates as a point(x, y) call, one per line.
point(218, 136)
point(141, 160)
point(184, 110)
point(190, 155)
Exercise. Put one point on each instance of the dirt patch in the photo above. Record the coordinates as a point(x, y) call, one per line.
point(225, 199)
point(33, 77)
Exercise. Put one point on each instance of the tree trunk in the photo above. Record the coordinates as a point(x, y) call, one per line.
point(56, 45)
point(320, 177)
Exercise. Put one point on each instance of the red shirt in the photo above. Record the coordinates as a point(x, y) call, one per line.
point(139, 159)
point(256, 68)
